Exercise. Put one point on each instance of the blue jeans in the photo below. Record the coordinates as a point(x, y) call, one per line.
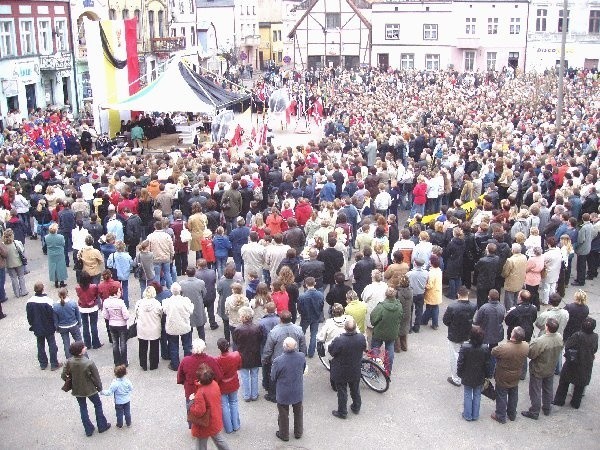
point(314, 327)
point(165, 267)
point(68, 246)
point(2, 282)
point(65, 334)
point(221, 262)
point(417, 209)
point(186, 343)
point(472, 400)
point(249, 383)
point(237, 259)
point(431, 312)
point(123, 410)
point(143, 285)
point(453, 285)
point(506, 402)
point(119, 338)
point(85, 418)
point(90, 321)
point(231, 412)
point(52, 349)
point(267, 277)
point(125, 291)
point(389, 348)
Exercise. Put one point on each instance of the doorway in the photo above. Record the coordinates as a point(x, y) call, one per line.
point(383, 60)
point(65, 88)
point(30, 95)
point(12, 103)
point(513, 59)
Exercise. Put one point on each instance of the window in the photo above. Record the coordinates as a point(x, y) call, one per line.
point(161, 23)
point(44, 37)
point(274, 36)
point(407, 61)
point(491, 60)
point(112, 14)
point(183, 36)
point(279, 35)
point(192, 36)
point(392, 31)
point(242, 10)
point(540, 21)
point(137, 16)
point(253, 29)
point(151, 24)
point(515, 25)
point(191, 6)
point(560, 20)
point(469, 61)
point(242, 30)
point(594, 21)
point(61, 35)
point(333, 21)
point(254, 10)
point(430, 32)
point(470, 25)
point(247, 10)
point(7, 38)
point(125, 14)
point(432, 62)
point(27, 37)
point(492, 25)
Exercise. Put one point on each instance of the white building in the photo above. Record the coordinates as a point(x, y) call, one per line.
point(328, 33)
point(474, 35)
point(544, 36)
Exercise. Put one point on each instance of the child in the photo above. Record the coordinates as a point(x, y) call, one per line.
point(252, 284)
point(280, 297)
point(222, 245)
point(259, 302)
point(121, 388)
point(208, 250)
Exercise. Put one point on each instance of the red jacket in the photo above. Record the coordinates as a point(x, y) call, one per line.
point(208, 251)
point(186, 374)
point(104, 288)
point(87, 298)
point(420, 193)
point(281, 300)
point(303, 212)
point(230, 363)
point(180, 247)
point(208, 397)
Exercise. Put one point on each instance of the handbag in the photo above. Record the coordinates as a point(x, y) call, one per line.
point(198, 419)
point(132, 329)
point(68, 380)
point(78, 263)
point(321, 348)
point(488, 389)
point(186, 235)
point(22, 256)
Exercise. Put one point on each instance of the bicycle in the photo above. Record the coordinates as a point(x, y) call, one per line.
point(374, 369)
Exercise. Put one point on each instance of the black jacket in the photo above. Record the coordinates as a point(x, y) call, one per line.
point(488, 267)
point(453, 258)
point(334, 260)
point(312, 268)
point(523, 315)
point(294, 237)
point(362, 274)
point(337, 294)
point(580, 372)
point(347, 350)
point(473, 364)
point(459, 320)
point(133, 230)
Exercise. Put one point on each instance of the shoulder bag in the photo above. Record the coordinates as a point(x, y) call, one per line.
point(201, 420)
point(22, 256)
point(68, 381)
point(132, 329)
point(185, 235)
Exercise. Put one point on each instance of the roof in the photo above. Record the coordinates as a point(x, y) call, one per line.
point(215, 3)
point(310, 4)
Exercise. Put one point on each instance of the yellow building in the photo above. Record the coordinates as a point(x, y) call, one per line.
point(271, 44)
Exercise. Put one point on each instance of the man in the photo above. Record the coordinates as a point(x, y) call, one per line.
point(487, 269)
point(357, 310)
point(209, 276)
point(362, 271)
point(327, 193)
point(137, 134)
point(231, 204)
point(164, 201)
point(163, 251)
point(114, 225)
point(288, 376)
point(40, 316)
point(523, 315)
point(253, 255)
point(178, 310)
point(347, 350)
point(543, 352)
point(333, 260)
point(238, 238)
point(510, 358)
point(195, 289)
point(552, 264)
point(313, 268)
point(66, 224)
point(490, 318)
point(586, 235)
point(133, 231)
point(417, 278)
point(294, 236)
point(386, 318)
point(383, 201)
point(274, 254)
point(310, 307)
point(459, 320)
point(513, 273)
point(274, 344)
point(269, 321)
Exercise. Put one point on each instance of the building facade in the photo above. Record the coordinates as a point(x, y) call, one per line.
point(544, 36)
point(36, 57)
point(467, 36)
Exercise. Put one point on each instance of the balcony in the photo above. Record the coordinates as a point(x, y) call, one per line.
point(167, 44)
point(251, 41)
point(468, 42)
point(58, 61)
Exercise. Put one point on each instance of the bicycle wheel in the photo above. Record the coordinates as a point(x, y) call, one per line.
point(374, 376)
point(325, 361)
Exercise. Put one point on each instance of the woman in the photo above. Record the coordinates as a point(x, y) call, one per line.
point(144, 265)
point(312, 225)
point(578, 311)
point(55, 244)
point(196, 224)
point(233, 303)
point(14, 263)
point(181, 248)
point(44, 219)
point(453, 256)
point(91, 259)
point(405, 296)
point(396, 270)
point(533, 275)
point(286, 276)
point(274, 222)
point(87, 299)
point(121, 263)
point(145, 208)
point(148, 316)
point(433, 293)
point(78, 236)
point(207, 400)
point(567, 252)
point(115, 312)
point(380, 256)
point(86, 383)
point(248, 340)
point(224, 291)
point(419, 193)
point(578, 370)
point(67, 320)
point(260, 300)
point(333, 327)
point(259, 226)
point(473, 366)
point(230, 363)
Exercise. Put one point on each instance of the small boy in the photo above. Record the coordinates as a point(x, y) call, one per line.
point(252, 284)
point(121, 387)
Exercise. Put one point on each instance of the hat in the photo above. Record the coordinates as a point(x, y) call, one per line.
point(419, 261)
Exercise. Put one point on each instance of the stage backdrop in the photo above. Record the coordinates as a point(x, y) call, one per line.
point(114, 68)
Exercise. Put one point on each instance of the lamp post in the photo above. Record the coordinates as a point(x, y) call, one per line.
point(561, 69)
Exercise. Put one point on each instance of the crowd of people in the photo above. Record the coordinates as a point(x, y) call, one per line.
point(499, 200)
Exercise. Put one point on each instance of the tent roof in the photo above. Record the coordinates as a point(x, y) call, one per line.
point(180, 89)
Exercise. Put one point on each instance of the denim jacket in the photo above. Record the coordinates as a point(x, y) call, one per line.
point(122, 262)
point(121, 388)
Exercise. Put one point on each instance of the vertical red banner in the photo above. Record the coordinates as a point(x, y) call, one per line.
point(133, 65)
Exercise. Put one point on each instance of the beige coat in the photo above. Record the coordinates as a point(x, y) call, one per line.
point(514, 272)
point(196, 224)
point(93, 262)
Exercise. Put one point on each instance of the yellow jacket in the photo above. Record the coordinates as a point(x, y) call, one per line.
point(433, 289)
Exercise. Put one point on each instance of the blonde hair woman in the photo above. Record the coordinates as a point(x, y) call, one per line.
point(14, 263)
point(233, 303)
point(148, 313)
